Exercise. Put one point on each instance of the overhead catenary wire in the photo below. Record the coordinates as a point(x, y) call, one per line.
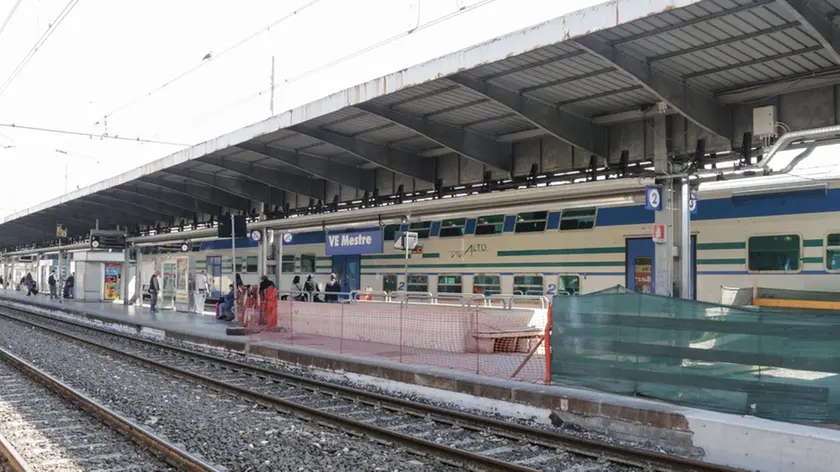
point(461, 10)
point(53, 26)
point(441, 19)
point(90, 135)
point(189, 71)
point(9, 16)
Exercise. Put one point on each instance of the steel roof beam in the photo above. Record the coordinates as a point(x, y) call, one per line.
point(395, 160)
point(203, 193)
point(123, 213)
point(46, 232)
point(817, 23)
point(308, 187)
point(120, 203)
point(39, 227)
point(472, 145)
point(682, 24)
point(325, 168)
point(242, 188)
point(64, 216)
point(147, 203)
point(176, 199)
point(104, 213)
point(702, 109)
point(11, 235)
point(567, 127)
point(723, 42)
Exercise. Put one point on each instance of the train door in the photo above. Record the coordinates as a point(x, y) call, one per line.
point(347, 271)
point(214, 274)
point(640, 267)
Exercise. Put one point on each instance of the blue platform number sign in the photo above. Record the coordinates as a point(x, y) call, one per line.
point(367, 241)
point(692, 203)
point(653, 198)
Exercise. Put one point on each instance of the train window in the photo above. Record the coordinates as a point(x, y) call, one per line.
point(774, 253)
point(288, 266)
point(307, 263)
point(389, 233)
point(452, 227)
point(832, 252)
point(528, 285)
point(568, 285)
point(449, 284)
point(418, 283)
point(252, 265)
point(389, 282)
point(422, 228)
point(583, 218)
point(487, 284)
point(531, 221)
point(493, 224)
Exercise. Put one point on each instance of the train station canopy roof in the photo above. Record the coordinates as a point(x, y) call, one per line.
point(570, 78)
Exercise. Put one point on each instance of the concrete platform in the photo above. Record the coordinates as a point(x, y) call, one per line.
point(745, 442)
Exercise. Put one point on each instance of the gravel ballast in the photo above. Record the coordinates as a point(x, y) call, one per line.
point(53, 435)
point(217, 426)
point(341, 379)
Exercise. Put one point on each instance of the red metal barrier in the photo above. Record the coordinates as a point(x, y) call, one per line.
point(505, 343)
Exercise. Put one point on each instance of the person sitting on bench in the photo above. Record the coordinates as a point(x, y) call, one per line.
point(227, 305)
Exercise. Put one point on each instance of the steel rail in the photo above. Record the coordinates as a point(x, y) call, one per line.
point(15, 461)
point(172, 454)
point(619, 454)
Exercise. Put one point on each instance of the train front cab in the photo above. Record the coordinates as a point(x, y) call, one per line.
point(640, 265)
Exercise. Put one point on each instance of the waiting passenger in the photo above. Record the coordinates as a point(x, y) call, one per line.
point(332, 288)
point(226, 311)
point(53, 288)
point(309, 288)
point(265, 283)
point(31, 287)
point(238, 281)
point(69, 286)
point(297, 291)
point(154, 289)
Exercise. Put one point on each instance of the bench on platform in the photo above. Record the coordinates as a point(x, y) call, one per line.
point(511, 340)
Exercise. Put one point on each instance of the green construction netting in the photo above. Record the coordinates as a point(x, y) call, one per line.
point(771, 364)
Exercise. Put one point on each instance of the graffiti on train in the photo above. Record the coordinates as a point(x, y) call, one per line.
point(468, 252)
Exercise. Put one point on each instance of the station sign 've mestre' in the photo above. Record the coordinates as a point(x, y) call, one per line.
point(367, 241)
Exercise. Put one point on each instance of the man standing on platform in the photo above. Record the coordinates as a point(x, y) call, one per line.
point(201, 288)
point(53, 286)
point(154, 289)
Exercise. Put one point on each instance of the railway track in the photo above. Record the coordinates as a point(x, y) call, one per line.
point(457, 438)
point(47, 426)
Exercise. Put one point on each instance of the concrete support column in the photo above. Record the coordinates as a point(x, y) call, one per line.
point(278, 256)
point(124, 277)
point(37, 274)
point(685, 239)
point(138, 278)
point(663, 256)
point(262, 255)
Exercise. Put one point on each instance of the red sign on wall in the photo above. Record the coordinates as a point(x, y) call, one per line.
point(659, 234)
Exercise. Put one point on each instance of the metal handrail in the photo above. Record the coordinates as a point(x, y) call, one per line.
point(354, 295)
point(542, 298)
point(505, 299)
point(459, 298)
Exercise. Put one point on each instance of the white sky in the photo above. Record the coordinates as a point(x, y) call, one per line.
point(110, 53)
